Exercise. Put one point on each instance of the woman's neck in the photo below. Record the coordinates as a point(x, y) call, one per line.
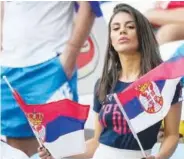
point(130, 67)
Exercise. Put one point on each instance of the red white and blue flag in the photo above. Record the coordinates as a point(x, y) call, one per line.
point(57, 125)
point(148, 100)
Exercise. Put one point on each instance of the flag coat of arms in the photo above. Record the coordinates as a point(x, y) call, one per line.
point(148, 100)
point(58, 126)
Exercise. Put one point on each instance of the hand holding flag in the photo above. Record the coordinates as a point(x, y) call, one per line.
point(57, 125)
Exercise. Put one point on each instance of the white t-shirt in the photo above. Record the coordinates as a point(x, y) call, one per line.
point(8, 152)
point(34, 31)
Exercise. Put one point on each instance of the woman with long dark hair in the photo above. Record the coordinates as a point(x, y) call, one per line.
point(132, 52)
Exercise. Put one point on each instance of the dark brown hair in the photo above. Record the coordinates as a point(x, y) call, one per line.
point(148, 47)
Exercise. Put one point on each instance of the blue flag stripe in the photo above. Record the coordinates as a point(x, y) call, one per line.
point(62, 126)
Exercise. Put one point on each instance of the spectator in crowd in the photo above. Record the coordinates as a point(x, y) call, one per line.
point(132, 52)
point(168, 17)
point(39, 51)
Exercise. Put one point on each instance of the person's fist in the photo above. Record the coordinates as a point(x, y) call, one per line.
point(44, 154)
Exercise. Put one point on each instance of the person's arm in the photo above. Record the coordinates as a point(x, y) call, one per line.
point(83, 24)
point(162, 17)
point(91, 145)
point(1, 27)
point(171, 132)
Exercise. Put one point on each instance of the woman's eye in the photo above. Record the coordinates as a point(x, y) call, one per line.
point(131, 27)
point(115, 28)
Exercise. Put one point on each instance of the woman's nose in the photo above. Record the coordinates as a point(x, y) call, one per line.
point(123, 31)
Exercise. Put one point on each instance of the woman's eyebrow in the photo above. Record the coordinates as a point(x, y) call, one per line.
point(117, 23)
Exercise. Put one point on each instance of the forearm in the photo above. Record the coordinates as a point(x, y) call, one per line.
point(168, 147)
point(82, 27)
point(162, 17)
point(91, 146)
point(83, 24)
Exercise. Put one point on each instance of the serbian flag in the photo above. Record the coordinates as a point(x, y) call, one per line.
point(148, 100)
point(58, 126)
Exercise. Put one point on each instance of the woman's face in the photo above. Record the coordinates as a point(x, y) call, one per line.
point(123, 33)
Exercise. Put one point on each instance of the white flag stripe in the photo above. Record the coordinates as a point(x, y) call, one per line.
point(67, 145)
